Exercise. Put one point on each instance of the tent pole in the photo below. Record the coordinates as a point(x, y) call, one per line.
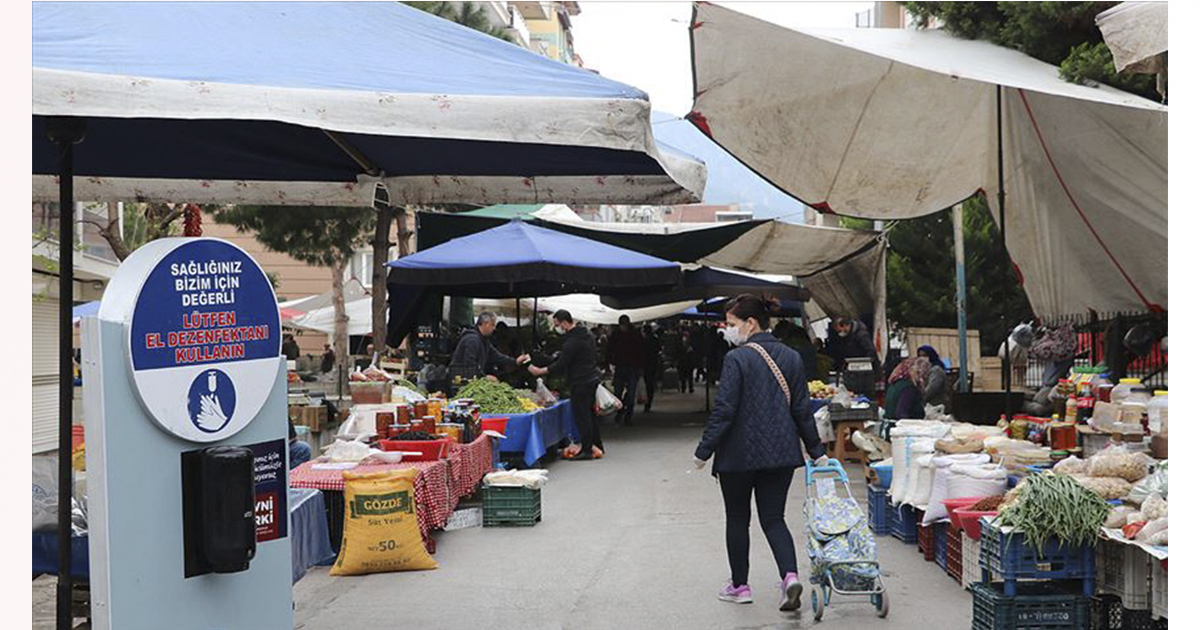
point(1005, 364)
point(65, 132)
point(960, 276)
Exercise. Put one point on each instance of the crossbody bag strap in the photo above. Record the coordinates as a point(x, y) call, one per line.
point(787, 392)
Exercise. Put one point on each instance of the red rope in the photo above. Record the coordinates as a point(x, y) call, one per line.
point(1037, 130)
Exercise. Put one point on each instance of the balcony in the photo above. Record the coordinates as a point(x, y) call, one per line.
point(535, 10)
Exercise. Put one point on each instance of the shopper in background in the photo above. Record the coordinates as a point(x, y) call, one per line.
point(291, 349)
point(627, 355)
point(760, 418)
point(327, 359)
point(687, 362)
point(653, 363)
point(577, 361)
point(937, 387)
point(298, 451)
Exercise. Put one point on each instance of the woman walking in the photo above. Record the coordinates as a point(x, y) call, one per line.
point(760, 417)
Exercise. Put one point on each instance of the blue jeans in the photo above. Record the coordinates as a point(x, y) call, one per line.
point(298, 453)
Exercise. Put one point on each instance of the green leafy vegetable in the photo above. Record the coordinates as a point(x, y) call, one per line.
point(1051, 505)
point(492, 397)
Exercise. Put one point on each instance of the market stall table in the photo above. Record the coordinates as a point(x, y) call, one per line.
point(309, 530)
point(532, 434)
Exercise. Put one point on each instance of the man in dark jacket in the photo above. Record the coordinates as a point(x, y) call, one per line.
point(474, 356)
point(577, 360)
point(653, 371)
point(627, 355)
point(852, 340)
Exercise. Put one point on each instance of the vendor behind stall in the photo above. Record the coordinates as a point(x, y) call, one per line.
point(474, 356)
point(851, 340)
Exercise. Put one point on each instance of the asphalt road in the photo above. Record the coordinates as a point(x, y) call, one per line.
point(630, 541)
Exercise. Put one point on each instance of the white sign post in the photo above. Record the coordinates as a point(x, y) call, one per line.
point(184, 355)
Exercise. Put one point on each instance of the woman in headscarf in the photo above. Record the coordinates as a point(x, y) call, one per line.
point(905, 392)
point(937, 389)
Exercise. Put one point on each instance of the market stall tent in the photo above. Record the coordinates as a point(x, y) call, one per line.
point(900, 123)
point(1136, 33)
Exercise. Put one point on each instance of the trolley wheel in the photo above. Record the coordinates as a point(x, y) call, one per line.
point(818, 603)
point(881, 604)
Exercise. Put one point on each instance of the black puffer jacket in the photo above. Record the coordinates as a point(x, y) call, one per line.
point(752, 426)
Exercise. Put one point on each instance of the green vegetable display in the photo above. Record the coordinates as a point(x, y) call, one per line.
point(410, 385)
point(492, 397)
point(1050, 505)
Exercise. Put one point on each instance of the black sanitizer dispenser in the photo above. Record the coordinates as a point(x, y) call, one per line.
point(218, 510)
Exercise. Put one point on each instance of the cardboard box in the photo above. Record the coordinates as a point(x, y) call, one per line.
point(313, 417)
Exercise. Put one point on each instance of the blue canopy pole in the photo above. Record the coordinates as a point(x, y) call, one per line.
point(66, 133)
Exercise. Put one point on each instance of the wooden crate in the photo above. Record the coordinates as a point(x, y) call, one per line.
point(315, 418)
point(989, 377)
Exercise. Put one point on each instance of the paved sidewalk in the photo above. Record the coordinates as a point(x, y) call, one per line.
point(630, 541)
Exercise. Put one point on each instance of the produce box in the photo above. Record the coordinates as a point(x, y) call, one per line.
point(370, 393)
point(879, 511)
point(511, 506)
point(1124, 571)
point(971, 572)
point(954, 552)
point(1010, 558)
point(1035, 606)
point(312, 416)
point(1108, 614)
point(925, 542)
point(940, 544)
point(1158, 590)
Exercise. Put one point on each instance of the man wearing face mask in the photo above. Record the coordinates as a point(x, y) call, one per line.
point(851, 340)
point(578, 361)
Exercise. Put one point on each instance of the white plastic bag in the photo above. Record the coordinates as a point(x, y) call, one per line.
point(899, 467)
point(916, 448)
point(45, 493)
point(545, 397)
point(924, 489)
point(1154, 507)
point(606, 402)
point(936, 509)
point(824, 425)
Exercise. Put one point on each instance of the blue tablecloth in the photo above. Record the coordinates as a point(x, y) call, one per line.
point(533, 433)
point(45, 555)
point(309, 530)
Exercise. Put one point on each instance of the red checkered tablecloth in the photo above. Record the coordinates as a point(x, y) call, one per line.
point(430, 490)
point(469, 464)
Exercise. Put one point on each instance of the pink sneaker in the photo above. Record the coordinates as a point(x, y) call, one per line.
point(737, 595)
point(790, 589)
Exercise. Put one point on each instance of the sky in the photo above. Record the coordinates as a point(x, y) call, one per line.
point(646, 44)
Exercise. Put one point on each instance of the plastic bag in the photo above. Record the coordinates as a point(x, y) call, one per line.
point(985, 480)
point(1107, 487)
point(842, 397)
point(45, 494)
point(937, 510)
point(960, 445)
point(1154, 507)
point(824, 425)
point(916, 448)
point(1155, 483)
point(545, 397)
point(1072, 466)
point(606, 402)
point(924, 488)
point(1151, 528)
point(1118, 461)
point(1118, 515)
point(1158, 540)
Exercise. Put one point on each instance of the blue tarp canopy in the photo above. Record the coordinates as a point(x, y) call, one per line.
point(85, 310)
point(518, 260)
point(315, 103)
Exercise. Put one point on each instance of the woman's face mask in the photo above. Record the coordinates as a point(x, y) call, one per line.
point(735, 333)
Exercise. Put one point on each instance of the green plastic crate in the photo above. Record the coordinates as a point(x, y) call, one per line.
point(511, 506)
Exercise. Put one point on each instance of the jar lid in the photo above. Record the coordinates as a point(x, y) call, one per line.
point(1131, 381)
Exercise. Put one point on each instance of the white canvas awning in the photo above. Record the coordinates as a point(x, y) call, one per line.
point(1136, 33)
point(896, 123)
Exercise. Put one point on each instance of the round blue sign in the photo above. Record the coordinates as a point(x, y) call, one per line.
point(212, 400)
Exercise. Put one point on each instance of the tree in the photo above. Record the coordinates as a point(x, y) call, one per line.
point(318, 235)
point(1063, 34)
point(468, 14)
point(921, 285)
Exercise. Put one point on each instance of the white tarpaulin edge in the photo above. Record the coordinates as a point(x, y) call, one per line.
point(892, 124)
point(1134, 31)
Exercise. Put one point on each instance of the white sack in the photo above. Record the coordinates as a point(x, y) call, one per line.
point(940, 492)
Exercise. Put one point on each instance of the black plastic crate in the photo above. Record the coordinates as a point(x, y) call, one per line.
point(1010, 558)
point(1036, 606)
point(511, 506)
point(1109, 614)
point(879, 510)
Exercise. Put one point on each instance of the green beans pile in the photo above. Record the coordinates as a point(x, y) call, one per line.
point(1051, 505)
point(492, 397)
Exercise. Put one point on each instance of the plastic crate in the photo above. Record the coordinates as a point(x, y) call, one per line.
point(1108, 614)
point(925, 541)
point(866, 414)
point(1158, 589)
point(940, 544)
point(1124, 571)
point(511, 506)
point(879, 510)
point(1010, 559)
point(971, 572)
point(954, 559)
point(904, 524)
point(1035, 606)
